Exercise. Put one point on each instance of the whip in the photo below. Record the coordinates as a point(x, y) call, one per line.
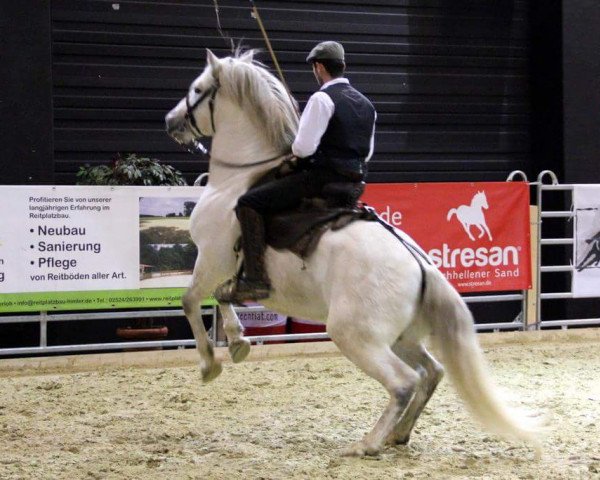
point(256, 16)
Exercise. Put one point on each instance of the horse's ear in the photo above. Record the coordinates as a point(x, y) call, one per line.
point(213, 61)
point(247, 57)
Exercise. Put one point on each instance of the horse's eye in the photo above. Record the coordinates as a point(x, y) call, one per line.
point(197, 90)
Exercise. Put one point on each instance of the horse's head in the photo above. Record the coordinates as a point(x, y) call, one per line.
point(193, 117)
point(481, 200)
point(240, 89)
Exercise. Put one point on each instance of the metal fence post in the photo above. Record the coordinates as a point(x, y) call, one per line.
point(538, 302)
point(43, 329)
point(532, 296)
point(528, 303)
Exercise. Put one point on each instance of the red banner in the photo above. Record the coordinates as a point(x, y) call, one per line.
point(476, 233)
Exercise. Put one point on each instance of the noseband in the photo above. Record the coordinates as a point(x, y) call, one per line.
point(191, 107)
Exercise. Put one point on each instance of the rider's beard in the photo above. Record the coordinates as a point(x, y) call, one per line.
point(320, 81)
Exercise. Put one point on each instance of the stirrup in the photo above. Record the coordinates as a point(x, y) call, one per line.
point(239, 290)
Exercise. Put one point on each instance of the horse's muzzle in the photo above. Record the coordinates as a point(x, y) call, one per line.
point(174, 124)
point(176, 128)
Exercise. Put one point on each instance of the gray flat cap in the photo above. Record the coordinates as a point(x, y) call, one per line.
point(326, 51)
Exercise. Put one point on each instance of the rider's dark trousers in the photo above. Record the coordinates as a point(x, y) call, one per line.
point(287, 192)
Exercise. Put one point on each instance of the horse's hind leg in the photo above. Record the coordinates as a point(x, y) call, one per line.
point(376, 359)
point(431, 373)
point(485, 230)
point(583, 265)
point(467, 228)
point(210, 367)
point(239, 347)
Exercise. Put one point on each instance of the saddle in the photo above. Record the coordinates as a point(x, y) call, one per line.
point(301, 229)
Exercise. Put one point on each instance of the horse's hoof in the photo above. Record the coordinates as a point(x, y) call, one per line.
point(239, 350)
point(398, 440)
point(359, 449)
point(355, 450)
point(209, 374)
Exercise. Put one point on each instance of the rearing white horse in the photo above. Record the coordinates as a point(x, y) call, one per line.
point(361, 281)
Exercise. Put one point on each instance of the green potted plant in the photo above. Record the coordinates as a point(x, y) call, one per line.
point(133, 170)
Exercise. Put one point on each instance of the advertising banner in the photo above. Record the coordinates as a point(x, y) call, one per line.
point(85, 248)
point(586, 277)
point(476, 233)
point(65, 248)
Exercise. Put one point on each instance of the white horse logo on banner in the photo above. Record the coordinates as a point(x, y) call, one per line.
point(473, 215)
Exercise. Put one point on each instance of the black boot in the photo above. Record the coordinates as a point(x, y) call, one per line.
point(254, 284)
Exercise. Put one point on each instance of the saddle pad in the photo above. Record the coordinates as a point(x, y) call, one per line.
point(300, 231)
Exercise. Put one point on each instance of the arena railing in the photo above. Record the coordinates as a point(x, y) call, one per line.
point(522, 321)
point(530, 318)
point(44, 318)
point(560, 209)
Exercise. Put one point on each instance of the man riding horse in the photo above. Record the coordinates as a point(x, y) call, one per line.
point(398, 298)
point(335, 140)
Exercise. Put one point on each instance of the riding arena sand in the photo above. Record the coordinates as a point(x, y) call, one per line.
point(286, 413)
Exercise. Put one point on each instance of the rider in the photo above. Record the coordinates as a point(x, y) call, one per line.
point(334, 142)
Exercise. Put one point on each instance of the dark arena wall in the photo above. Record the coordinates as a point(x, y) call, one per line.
point(450, 80)
point(465, 90)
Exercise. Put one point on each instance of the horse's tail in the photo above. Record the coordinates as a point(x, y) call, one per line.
point(454, 337)
point(450, 213)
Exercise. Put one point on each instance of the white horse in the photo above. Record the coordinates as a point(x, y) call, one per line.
point(473, 215)
point(361, 281)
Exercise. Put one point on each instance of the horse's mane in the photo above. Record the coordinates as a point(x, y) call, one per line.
point(253, 87)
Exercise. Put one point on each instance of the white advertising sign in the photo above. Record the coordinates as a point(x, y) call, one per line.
point(586, 275)
point(55, 238)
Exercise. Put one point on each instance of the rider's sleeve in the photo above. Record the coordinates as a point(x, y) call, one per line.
point(372, 143)
point(313, 123)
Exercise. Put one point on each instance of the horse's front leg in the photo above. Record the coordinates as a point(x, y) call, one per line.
point(239, 347)
point(210, 367)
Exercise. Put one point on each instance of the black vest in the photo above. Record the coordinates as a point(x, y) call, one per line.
point(347, 141)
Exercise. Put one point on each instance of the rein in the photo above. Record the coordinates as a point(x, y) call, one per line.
point(223, 163)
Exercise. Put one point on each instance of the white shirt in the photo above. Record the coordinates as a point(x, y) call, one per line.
point(314, 121)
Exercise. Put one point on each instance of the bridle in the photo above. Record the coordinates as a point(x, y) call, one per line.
point(211, 94)
point(191, 107)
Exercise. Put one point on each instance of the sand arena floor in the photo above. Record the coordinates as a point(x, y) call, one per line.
point(288, 418)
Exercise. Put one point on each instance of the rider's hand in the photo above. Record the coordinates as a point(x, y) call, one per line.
point(287, 167)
